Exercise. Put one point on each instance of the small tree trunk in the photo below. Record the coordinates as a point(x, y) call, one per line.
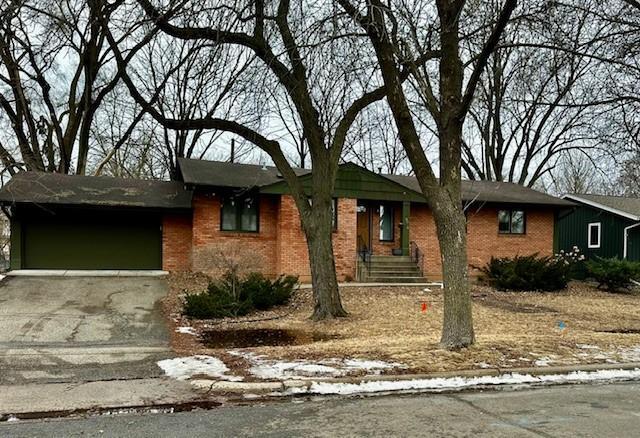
point(457, 327)
point(326, 296)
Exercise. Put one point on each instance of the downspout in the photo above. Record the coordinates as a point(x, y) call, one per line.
point(626, 239)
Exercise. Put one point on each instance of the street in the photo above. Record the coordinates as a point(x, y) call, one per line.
point(560, 411)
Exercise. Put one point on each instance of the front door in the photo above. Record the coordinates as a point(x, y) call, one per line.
point(364, 227)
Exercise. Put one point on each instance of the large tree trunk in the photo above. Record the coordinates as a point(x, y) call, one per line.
point(326, 296)
point(457, 326)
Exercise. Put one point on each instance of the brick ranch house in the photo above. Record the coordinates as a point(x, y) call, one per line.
point(383, 227)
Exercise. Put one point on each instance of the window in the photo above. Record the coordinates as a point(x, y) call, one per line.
point(594, 235)
point(239, 214)
point(511, 222)
point(386, 223)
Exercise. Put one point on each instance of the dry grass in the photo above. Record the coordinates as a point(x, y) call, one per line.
point(512, 329)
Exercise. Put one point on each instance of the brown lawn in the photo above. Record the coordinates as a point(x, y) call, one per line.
point(387, 323)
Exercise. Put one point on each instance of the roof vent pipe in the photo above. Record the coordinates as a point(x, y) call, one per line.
point(232, 159)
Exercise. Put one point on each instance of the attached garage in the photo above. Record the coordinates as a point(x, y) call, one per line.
point(91, 239)
point(75, 222)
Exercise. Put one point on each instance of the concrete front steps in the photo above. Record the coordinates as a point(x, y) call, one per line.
point(390, 269)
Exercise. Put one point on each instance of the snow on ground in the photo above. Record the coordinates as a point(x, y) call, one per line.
point(269, 369)
point(630, 354)
point(183, 368)
point(186, 331)
point(543, 362)
point(456, 383)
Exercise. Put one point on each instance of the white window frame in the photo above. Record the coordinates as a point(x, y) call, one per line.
point(589, 243)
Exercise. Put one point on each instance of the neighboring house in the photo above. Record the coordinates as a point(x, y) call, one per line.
point(603, 226)
point(84, 222)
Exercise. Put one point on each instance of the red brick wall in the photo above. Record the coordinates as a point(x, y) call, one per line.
point(422, 230)
point(256, 249)
point(483, 239)
point(292, 245)
point(280, 246)
point(176, 242)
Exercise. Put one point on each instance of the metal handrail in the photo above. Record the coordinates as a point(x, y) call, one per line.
point(417, 256)
point(363, 253)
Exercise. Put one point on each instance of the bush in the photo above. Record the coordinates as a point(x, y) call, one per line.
point(575, 261)
point(527, 273)
point(232, 296)
point(613, 274)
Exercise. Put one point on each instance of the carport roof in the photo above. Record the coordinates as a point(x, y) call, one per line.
point(53, 188)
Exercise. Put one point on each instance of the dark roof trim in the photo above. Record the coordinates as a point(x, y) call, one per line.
point(217, 174)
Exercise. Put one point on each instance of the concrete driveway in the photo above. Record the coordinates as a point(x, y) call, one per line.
point(62, 329)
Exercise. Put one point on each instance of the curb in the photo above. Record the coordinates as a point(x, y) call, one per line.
point(293, 387)
point(184, 406)
point(299, 385)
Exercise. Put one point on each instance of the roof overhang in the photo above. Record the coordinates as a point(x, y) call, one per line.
point(353, 181)
point(606, 208)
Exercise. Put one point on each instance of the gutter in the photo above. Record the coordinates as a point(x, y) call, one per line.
point(626, 239)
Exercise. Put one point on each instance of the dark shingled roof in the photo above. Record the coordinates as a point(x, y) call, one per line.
point(621, 205)
point(224, 174)
point(492, 191)
point(55, 188)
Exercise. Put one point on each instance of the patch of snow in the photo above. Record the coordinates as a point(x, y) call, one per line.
point(290, 370)
point(484, 365)
point(186, 331)
point(588, 347)
point(543, 362)
point(457, 383)
point(269, 369)
point(183, 368)
point(370, 365)
point(11, 418)
point(630, 354)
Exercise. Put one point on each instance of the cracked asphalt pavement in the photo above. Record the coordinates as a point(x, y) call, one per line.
point(559, 411)
point(66, 329)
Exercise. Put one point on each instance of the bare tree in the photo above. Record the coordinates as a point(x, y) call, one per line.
point(535, 102)
point(373, 143)
point(304, 56)
point(54, 75)
point(400, 33)
point(578, 172)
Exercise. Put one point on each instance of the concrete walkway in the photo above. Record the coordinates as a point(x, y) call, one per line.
point(58, 399)
point(356, 284)
point(83, 273)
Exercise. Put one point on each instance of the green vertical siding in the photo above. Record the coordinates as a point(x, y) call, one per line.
point(572, 229)
point(633, 249)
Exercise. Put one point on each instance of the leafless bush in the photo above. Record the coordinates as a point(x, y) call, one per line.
point(226, 257)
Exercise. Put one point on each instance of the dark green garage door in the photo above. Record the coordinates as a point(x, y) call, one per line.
point(91, 240)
